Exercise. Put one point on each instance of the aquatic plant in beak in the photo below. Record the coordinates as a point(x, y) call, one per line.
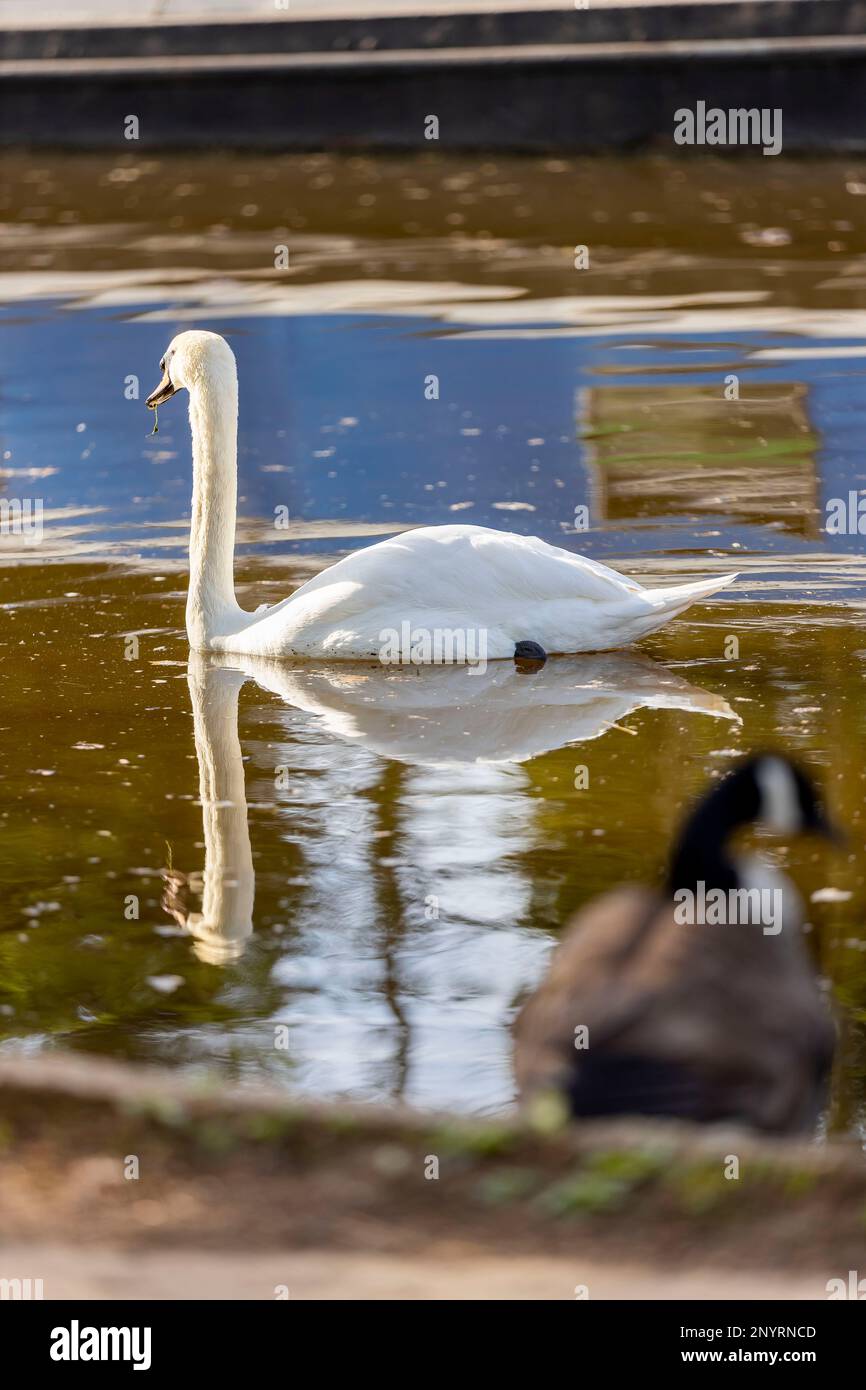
point(164, 391)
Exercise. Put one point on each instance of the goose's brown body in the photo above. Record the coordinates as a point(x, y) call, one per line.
point(699, 1021)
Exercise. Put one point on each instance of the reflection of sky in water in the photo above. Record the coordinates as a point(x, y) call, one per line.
point(335, 425)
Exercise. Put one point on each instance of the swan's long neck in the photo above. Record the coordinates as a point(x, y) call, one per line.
point(211, 607)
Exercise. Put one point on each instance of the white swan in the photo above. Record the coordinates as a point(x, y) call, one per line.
point(468, 589)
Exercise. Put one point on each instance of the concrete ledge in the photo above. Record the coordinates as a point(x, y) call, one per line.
point(523, 80)
point(704, 50)
point(485, 25)
point(538, 103)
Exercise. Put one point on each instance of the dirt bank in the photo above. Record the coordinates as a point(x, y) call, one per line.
point(233, 1185)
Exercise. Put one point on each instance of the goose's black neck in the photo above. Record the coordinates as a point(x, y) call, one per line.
point(700, 853)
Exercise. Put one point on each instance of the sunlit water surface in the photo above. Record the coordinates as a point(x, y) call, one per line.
point(346, 878)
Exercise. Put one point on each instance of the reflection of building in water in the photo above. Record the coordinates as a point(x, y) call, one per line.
point(683, 450)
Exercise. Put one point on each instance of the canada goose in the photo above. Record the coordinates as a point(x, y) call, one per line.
point(698, 1000)
point(513, 595)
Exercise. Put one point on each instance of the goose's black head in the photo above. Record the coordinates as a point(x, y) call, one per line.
point(767, 789)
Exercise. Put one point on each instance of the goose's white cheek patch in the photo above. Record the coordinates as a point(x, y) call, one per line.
point(780, 811)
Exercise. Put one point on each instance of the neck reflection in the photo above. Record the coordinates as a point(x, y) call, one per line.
point(227, 885)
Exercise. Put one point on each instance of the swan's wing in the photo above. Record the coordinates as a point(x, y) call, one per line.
point(448, 567)
point(485, 586)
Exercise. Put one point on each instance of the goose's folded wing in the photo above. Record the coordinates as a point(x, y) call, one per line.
point(611, 961)
point(710, 1023)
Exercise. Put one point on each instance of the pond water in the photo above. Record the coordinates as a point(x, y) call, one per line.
point(382, 859)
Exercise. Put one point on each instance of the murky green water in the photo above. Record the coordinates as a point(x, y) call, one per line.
point(376, 861)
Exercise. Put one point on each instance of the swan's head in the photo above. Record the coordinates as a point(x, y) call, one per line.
point(191, 359)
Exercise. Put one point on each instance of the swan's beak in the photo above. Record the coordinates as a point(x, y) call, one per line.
point(164, 392)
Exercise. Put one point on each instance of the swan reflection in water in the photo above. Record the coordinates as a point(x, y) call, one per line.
point(423, 716)
point(227, 885)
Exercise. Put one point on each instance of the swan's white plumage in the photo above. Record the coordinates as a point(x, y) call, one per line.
point(511, 588)
point(467, 579)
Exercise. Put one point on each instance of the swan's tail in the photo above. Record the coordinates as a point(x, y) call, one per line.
point(660, 605)
point(675, 600)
